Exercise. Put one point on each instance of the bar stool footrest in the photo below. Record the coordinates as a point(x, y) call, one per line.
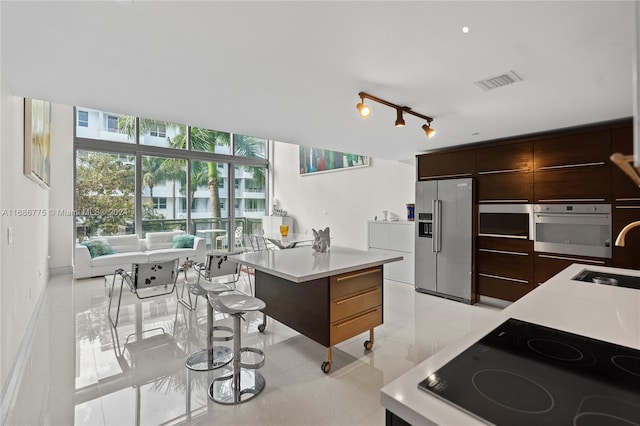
point(222, 338)
point(223, 391)
point(205, 360)
point(253, 366)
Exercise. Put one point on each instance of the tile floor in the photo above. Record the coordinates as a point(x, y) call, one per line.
point(81, 372)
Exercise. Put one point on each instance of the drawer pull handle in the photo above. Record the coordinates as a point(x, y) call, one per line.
point(519, 253)
point(498, 277)
point(568, 166)
point(360, 274)
point(490, 172)
point(517, 237)
point(342, 324)
point(549, 200)
point(504, 201)
point(348, 299)
point(446, 176)
point(573, 259)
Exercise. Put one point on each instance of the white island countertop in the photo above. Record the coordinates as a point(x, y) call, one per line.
point(303, 264)
point(601, 312)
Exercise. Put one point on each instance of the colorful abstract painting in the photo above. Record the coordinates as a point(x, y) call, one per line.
point(318, 160)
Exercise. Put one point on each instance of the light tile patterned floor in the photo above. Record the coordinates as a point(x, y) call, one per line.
point(81, 372)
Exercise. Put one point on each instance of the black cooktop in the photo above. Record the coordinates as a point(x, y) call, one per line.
point(607, 278)
point(527, 374)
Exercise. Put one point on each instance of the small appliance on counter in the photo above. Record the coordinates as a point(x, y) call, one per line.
point(527, 374)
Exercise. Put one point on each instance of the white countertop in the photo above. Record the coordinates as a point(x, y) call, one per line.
point(598, 311)
point(303, 264)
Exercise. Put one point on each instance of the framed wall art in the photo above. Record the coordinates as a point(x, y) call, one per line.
point(37, 141)
point(318, 160)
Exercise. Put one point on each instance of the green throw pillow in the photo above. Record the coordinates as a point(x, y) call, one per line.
point(98, 247)
point(183, 241)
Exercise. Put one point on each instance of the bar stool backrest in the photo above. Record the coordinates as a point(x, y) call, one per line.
point(218, 265)
point(153, 274)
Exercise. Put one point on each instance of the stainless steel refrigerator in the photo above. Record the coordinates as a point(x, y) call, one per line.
point(444, 238)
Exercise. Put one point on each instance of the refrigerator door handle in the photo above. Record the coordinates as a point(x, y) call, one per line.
point(437, 227)
point(434, 232)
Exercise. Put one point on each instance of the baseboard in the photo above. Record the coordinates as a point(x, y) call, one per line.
point(12, 385)
point(61, 270)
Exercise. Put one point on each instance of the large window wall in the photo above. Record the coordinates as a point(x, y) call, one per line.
point(131, 177)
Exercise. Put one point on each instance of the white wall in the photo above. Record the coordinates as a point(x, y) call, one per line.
point(343, 200)
point(61, 227)
point(23, 264)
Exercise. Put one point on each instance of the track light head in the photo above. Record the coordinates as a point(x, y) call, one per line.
point(429, 131)
point(399, 119)
point(363, 109)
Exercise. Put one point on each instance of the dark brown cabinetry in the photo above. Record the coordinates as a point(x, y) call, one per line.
point(503, 173)
point(566, 167)
point(573, 168)
point(505, 268)
point(443, 165)
point(547, 265)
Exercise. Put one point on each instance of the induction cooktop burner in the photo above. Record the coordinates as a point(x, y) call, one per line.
point(527, 374)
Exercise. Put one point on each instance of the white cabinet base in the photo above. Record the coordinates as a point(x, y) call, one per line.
point(397, 238)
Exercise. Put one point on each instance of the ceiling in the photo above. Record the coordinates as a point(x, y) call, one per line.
point(291, 71)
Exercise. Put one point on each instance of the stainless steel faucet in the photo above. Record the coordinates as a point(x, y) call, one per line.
point(623, 233)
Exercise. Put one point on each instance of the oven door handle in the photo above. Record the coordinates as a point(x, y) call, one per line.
point(574, 219)
point(581, 215)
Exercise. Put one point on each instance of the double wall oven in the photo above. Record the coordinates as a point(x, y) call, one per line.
point(569, 229)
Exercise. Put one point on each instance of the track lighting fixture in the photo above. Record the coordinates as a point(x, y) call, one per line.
point(428, 130)
point(399, 120)
point(363, 109)
point(365, 112)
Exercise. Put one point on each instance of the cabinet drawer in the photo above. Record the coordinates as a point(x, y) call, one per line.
point(505, 263)
point(353, 304)
point(355, 282)
point(502, 287)
point(352, 326)
point(549, 264)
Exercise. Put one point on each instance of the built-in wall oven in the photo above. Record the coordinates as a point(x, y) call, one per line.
point(577, 229)
point(506, 221)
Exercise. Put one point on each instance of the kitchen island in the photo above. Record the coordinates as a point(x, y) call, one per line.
point(603, 312)
point(328, 297)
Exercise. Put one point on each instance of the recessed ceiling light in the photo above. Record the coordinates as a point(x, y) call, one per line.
point(465, 29)
point(475, 134)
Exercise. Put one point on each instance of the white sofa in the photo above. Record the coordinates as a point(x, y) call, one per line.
point(157, 246)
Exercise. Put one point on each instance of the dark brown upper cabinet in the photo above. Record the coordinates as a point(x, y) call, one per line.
point(572, 151)
point(503, 173)
point(507, 158)
point(573, 168)
point(443, 165)
point(573, 185)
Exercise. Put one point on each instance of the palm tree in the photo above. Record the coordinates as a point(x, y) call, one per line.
point(154, 173)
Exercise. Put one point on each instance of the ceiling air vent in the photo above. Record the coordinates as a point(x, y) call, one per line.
point(498, 81)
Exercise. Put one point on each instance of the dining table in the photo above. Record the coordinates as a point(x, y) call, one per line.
point(290, 241)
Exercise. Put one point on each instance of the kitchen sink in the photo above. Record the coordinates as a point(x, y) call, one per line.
point(606, 278)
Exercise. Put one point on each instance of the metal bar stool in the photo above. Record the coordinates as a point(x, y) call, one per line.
point(244, 382)
point(213, 356)
point(216, 266)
